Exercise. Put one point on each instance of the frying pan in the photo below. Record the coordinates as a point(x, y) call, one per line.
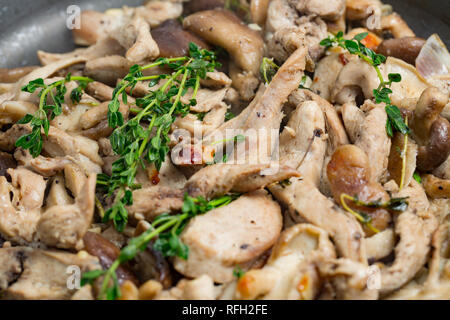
point(30, 25)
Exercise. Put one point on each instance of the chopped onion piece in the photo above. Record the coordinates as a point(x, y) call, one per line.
point(434, 58)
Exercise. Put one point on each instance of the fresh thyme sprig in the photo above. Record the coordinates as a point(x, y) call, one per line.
point(238, 272)
point(394, 204)
point(167, 229)
point(238, 6)
point(356, 47)
point(144, 139)
point(268, 69)
point(47, 112)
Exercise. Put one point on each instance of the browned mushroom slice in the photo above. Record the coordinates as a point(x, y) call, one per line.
point(6, 161)
point(173, 40)
point(107, 253)
point(223, 28)
point(430, 130)
point(193, 6)
point(32, 274)
point(97, 114)
point(103, 92)
point(349, 172)
point(108, 69)
point(407, 48)
point(13, 75)
point(258, 11)
point(151, 264)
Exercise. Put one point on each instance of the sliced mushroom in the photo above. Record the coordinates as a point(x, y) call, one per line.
point(246, 83)
point(302, 144)
point(58, 195)
point(326, 73)
point(349, 172)
point(44, 166)
point(65, 226)
point(13, 75)
point(24, 273)
point(407, 48)
point(135, 36)
point(82, 150)
point(431, 131)
point(380, 245)
point(223, 28)
point(6, 162)
point(355, 78)
point(334, 126)
point(107, 253)
point(108, 69)
point(443, 171)
point(173, 40)
point(105, 47)
point(350, 279)
point(290, 272)
point(397, 26)
point(235, 234)
point(258, 11)
point(306, 202)
point(43, 73)
point(22, 211)
point(102, 92)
